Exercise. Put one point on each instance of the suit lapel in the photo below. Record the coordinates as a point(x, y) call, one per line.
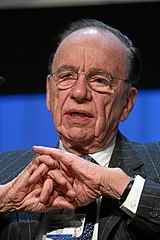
point(124, 156)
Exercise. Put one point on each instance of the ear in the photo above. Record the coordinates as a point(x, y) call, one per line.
point(129, 103)
point(48, 91)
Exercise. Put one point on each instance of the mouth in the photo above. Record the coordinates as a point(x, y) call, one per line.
point(79, 114)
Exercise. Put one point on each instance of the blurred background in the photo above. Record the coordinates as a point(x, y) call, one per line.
point(27, 32)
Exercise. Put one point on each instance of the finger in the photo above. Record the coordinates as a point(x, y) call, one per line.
point(47, 159)
point(44, 150)
point(57, 154)
point(22, 180)
point(57, 176)
point(63, 184)
point(47, 189)
point(56, 181)
point(61, 202)
point(38, 173)
point(68, 159)
point(70, 195)
point(46, 163)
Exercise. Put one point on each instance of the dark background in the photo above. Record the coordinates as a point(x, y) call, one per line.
point(27, 36)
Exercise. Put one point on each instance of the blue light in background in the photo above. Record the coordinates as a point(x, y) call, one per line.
point(143, 124)
point(25, 120)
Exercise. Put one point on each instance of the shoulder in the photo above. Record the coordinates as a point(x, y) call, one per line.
point(13, 162)
point(148, 148)
point(150, 155)
point(146, 153)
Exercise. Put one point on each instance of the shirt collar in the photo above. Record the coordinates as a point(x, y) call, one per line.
point(102, 157)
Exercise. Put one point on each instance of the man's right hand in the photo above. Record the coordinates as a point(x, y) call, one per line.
point(22, 195)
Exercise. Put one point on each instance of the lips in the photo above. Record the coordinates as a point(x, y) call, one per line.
point(75, 114)
point(79, 114)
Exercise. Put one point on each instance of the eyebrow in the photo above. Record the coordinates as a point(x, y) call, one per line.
point(75, 69)
point(67, 67)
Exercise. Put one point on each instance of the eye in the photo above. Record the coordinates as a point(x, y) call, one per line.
point(100, 80)
point(67, 75)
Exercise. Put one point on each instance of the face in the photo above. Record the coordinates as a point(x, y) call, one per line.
point(87, 120)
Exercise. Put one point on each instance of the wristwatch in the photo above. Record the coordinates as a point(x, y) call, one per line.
point(126, 191)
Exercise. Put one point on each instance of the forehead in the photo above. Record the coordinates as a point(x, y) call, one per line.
point(91, 45)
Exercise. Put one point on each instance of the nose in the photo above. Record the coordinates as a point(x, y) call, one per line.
point(81, 91)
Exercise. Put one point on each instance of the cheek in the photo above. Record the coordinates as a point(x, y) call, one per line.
point(102, 112)
point(58, 101)
point(53, 100)
point(108, 115)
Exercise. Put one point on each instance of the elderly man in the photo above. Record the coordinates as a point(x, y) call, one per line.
point(91, 89)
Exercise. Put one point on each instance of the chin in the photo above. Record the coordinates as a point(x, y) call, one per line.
point(78, 135)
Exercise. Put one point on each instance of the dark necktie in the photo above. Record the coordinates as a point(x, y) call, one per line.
point(89, 158)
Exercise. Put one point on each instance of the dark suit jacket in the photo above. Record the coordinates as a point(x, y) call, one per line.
point(115, 224)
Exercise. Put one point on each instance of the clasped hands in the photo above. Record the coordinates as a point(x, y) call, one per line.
point(57, 179)
point(68, 181)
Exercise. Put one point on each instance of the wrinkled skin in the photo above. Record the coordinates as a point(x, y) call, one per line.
point(89, 180)
point(87, 121)
point(21, 194)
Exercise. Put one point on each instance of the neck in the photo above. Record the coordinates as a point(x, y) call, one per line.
point(89, 148)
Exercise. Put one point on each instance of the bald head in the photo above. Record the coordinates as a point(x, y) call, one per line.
point(91, 43)
point(99, 28)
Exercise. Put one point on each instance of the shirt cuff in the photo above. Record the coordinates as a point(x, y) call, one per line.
point(130, 205)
